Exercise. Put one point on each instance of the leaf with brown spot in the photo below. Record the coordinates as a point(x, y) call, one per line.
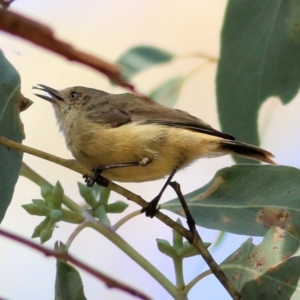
point(247, 199)
point(259, 272)
point(259, 58)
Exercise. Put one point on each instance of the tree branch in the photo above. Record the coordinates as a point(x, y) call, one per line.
point(192, 238)
point(43, 36)
point(110, 282)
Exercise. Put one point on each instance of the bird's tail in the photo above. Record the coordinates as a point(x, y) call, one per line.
point(247, 150)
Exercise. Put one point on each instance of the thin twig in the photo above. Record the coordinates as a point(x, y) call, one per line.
point(200, 55)
point(190, 220)
point(110, 282)
point(43, 36)
point(75, 233)
point(197, 279)
point(192, 238)
point(67, 163)
point(122, 221)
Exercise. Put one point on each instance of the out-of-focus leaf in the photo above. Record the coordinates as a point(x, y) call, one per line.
point(139, 58)
point(5, 3)
point(166, 248)
point(219, 240)
point(265, 271)
point(11, 128)
point(116, 207)
point(167, 93)
point(247, 199)
point(260, 57)
point(68, 283)
point(87, 194)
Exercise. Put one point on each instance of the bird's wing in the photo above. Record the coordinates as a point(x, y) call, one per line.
point(108, 115)
point(117, 111)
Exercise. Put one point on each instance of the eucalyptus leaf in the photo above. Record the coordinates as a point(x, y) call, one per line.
point(247, 199)
point(11, 128)
point(260, 58)
point(139, 58)
point(268, 270)
point(168, 92)
point(68, 283)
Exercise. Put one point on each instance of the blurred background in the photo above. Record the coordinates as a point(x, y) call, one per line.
point(106, 29)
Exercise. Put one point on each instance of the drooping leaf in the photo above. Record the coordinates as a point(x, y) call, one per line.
point(11, 128)
point(167, 93)
point(68, 283)
point(139, 58)
point(265, 271)
point(247, 199)
point(260, 57)
point(5, 3)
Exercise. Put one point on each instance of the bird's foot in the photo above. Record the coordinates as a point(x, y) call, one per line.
point(152, 208)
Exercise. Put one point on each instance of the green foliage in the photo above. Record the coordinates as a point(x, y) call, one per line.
point(247, 199)
point(260, 57)
point(100, 208)
point(167, 93)
point(68, 283)
point(264, 271)
point(137, 59)
point(140, 58)
point(179, 249)
point(116, 207)
point(51, 208)
point(87, 194)
point(11, 128)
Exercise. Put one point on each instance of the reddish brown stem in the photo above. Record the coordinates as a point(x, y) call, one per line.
point(43, 36)
point(110, 282)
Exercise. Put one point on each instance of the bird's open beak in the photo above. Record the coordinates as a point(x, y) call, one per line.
point(52, 92)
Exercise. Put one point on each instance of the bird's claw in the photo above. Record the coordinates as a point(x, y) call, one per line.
point(151, 209)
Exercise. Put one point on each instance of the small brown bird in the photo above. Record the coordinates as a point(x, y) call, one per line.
point(128, 138)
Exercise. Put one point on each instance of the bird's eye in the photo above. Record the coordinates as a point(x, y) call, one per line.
point(73, 95)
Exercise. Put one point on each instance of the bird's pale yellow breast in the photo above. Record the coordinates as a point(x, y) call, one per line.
point(167, 148)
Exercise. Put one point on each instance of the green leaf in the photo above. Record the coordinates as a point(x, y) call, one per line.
point(280, 283)
point(56, 215)
point(38, 229)
point(100, 213)
point(68, 283)
point(260, 57)
point(37, 209)
point(46, 192)
point(219, 240)
point(47, 231)
point(116, 207)
point(71, 216)
point(247, 199)
point(57, 195)
point(188, 250)
point(39, 202)
point(166, 248)
point(167, 93)
point(87, 194)
point(265, 271)
point(104, 195)
point(139, 58)
point(177, 238)
point(11, 128)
